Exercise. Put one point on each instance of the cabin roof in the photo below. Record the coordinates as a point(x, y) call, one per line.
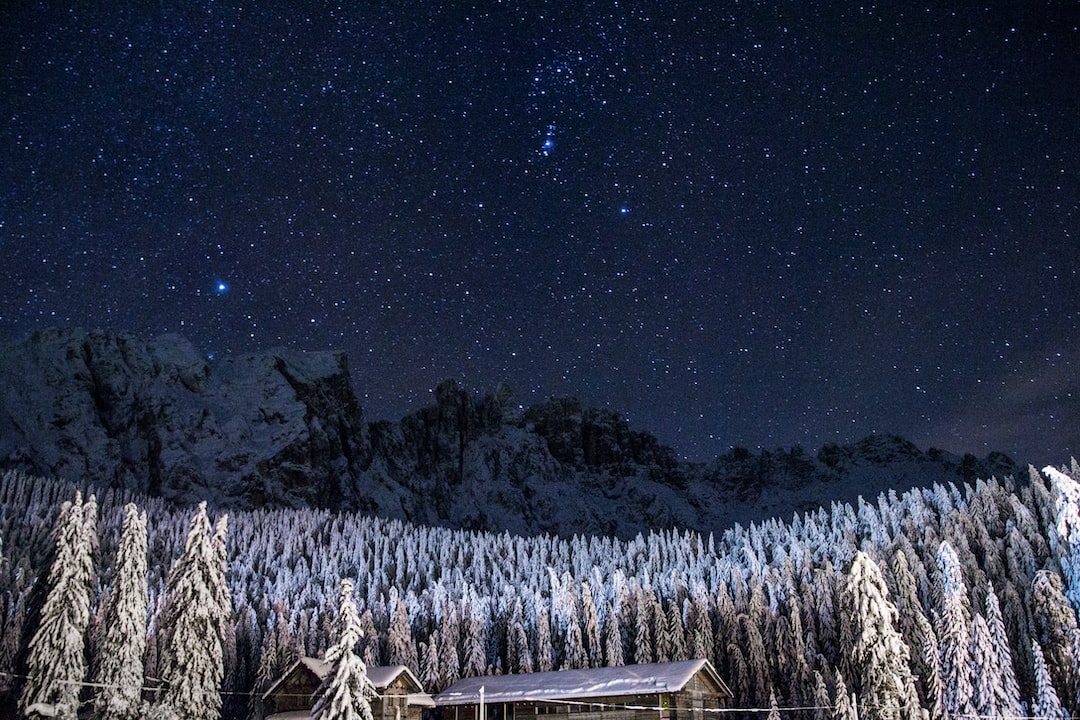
point(644, 679)
point(381, 676)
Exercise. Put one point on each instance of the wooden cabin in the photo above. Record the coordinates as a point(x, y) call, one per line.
point(657, 691)
point(399, 694)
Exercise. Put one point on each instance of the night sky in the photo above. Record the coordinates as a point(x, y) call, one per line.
point(740, 224)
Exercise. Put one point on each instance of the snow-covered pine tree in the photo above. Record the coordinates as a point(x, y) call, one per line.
point(1006, 690)
point(543, 652)
point(985, 672)
point(400, 647)
point(1056, 631)
point(613, 647)
point(878, 657)
point(57, 662)
point(792, 673)
point(672, 642)
point(474, 662)
point(954, 635)
point(774, 708)
point(449, 659)
point(919, 635)
point(277, 652)
point(1065, 542)
point(594, 647)
point(699, 631)
point(845, 707)
point(756, 661)
point(726, 625)
point(192, 661)
point(518, 655)
point(429, 663)
point(346, 692)
point(927, 670)
point(369, 639)
point(822, 703)
point(738, 673)
point(119, 670)
point(223, 596)
point(643, 638)
point(573, 656)
point(1047, 706)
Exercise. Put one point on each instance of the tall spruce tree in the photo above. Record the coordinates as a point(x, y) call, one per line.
point(449, 659)
point(192, 662)
point(223, 597)
point(475, 657)
point(401, 648)
point(1056, 631)
point(774, 707)
point(846, 707)
point(346, 692)
point(57, 662)
point(954, 635)
point(1006, 690)
point(543, 653)
point(986, 680)
point(1047, 705)
point(1065, 542)
point(613, 647)
point(822, 704)
point(369, 639)
point(919, 635)
point(119, 670)
point(593, 644)
point(429, 663)
point(879, 659)
point(573, 656)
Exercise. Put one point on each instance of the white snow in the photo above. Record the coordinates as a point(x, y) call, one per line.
point(644, 679)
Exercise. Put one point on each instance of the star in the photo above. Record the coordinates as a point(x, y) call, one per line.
point(797, 226)
point(549, 141)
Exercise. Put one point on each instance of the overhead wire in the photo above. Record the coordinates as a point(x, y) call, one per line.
point(558, 701)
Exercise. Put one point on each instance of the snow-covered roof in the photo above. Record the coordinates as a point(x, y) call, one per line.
point(420, 699)
point(643, 679)
point(381, 676)
point(321, 668)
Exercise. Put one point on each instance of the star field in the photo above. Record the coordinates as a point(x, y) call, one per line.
point(742, 224)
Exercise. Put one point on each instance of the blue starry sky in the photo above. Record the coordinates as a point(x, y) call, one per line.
point(736, 223)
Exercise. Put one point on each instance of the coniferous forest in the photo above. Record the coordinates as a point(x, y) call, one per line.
point(934, 603)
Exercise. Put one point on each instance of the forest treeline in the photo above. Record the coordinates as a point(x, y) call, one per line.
point(951, 600)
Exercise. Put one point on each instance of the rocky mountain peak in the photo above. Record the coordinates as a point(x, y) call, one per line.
point(284, 428)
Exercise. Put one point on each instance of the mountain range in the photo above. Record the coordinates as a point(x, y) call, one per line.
point(285, 428)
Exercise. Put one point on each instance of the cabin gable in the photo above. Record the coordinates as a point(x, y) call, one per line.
point(399, 695)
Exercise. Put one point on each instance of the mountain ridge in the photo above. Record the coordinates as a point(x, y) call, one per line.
point(285, 428)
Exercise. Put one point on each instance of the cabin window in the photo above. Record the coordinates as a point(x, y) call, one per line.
point(500, 711)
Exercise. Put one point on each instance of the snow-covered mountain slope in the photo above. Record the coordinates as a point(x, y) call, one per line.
point(284, 428)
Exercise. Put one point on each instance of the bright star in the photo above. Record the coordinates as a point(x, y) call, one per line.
point(549, 141)
point(221, 287)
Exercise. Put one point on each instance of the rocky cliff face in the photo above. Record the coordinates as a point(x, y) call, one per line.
point(280, 428)
point(284, 428)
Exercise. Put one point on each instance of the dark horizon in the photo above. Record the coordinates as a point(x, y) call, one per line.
point(426, 398)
